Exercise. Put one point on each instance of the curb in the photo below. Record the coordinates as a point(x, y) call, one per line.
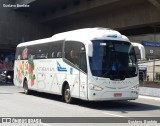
point(149, 97)
point(152, 92)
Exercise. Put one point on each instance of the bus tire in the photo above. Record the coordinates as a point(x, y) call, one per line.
point(67, 94)
point(25, 87)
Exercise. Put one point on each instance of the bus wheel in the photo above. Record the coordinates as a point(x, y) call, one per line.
point(25, 87)
point(67, 94)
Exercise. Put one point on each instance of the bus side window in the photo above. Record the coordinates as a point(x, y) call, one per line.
point(75, 54)
point(53, 55)
point(55, 49)
point(59, 55)
point(74, 57)
point(83, 63)
point(44, 56)
point(19, 53)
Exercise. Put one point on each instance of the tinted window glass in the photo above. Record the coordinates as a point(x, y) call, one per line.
point(56, 49)
point(19, 53)
point(75, 54)
point(113, 59)
point(40, 51)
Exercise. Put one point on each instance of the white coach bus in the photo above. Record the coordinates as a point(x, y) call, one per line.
point(95, 64)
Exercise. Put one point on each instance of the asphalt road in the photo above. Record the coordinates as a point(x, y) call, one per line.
point(14, 103)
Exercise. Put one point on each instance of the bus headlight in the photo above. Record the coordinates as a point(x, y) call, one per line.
point(9, 77)
point(94, 87)
point(135, 87)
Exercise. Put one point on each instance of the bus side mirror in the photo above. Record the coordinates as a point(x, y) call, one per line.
point(90, 50)
point(142, 50)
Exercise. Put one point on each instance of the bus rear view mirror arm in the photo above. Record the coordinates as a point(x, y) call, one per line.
point(142, 50)
point(90, 50)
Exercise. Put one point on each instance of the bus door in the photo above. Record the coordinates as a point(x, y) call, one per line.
point(83, 74)
point(75, 56)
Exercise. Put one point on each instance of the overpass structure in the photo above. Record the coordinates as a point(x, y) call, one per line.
point(72, 14)
point(43, 18)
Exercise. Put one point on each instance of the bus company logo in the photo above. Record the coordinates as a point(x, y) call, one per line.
point(120, 82)
point(112, 36)
point(44, 69)
point(60, 68)
point(71, 70)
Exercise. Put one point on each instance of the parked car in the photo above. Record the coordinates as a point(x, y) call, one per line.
point(2, 66)
point(7, 76)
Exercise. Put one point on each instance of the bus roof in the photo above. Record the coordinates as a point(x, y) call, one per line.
point(81, 35)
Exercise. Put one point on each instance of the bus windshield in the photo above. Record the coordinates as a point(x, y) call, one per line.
point(113, 59)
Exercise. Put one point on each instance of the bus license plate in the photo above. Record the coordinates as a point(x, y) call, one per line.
point(117, 94)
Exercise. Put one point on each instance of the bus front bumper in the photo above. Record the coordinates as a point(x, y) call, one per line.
point(113, 95)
